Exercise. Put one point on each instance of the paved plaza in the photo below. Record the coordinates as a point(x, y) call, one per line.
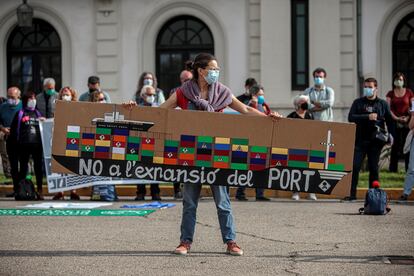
point(280, 237)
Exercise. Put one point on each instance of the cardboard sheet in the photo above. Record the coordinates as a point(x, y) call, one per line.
point(203, 148)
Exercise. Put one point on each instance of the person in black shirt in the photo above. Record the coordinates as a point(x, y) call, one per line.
point(369, 113)
point(301, 112)
point(25, 130)
point(246, 96)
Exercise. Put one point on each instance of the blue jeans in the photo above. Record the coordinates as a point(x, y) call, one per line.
point(241, 192)
point(191, 195)
point(409, 178)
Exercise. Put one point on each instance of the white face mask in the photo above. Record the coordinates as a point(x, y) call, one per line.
point(67, 98)
point(31, 104)
point(150, 99)
point(399, 83)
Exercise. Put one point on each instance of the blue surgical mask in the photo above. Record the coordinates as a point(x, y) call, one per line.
point(260, 99)
point(368, 92)
point(148, 82)
point(318, 80)
point(212, 76)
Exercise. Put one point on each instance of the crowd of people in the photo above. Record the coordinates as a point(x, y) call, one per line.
point(378, 122)
point(373, 116)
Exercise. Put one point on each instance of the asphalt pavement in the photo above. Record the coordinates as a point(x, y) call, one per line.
point(281, 237)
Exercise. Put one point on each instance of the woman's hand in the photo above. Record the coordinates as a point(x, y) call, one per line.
point(129, 105)
point(275, 115)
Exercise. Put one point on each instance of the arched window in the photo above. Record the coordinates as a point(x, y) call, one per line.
point(34, 54)
point(403, 49)
point(179, 40)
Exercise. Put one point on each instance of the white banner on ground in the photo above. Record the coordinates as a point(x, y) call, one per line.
point(65, 182)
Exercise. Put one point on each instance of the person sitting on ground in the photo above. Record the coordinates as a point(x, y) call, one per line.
point(301, 105)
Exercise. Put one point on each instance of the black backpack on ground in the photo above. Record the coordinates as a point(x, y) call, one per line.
point(376, 202)
point(25, 190)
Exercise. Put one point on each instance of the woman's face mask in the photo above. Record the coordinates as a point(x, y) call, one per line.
point(212, 76)
point(150, 99)
point(67, 98)
point(260, 99)
point(148, 82)
point(399, 83)
point(31, 104)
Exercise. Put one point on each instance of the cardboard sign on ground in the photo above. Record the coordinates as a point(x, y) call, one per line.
point(203, 148)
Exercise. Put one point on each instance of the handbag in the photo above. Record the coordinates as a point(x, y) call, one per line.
point(381, 134)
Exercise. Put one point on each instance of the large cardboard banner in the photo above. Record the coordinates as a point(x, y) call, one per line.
point(203, 148)
point(57, 182)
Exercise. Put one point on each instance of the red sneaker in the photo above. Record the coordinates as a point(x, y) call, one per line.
point(233, 249)
point(182, 248)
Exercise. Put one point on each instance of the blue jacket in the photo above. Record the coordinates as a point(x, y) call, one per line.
point(7, 113)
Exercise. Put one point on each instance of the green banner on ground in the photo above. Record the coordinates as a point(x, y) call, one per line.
point(75, 212)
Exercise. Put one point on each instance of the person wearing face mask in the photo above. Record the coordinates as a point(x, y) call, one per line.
point(8, 110)
point(257, 102)
point(46, 100)
point(301, 105)
point(94, 84)
point(321, 97)
point(205, 93)
point(25, 130)
point(147, 98)
point(399, 99)
point(369, 113)
point(148, 78)
point(67, 94)
point(246, 96)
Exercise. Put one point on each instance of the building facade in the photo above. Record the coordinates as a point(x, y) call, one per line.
point(277, 42)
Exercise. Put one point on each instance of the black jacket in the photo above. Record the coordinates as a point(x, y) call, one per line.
point(359, 114)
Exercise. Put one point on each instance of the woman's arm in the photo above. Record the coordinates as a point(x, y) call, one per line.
point(171, 102)
point(244, 109)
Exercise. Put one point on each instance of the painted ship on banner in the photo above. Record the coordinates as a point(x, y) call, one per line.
point(114, 139)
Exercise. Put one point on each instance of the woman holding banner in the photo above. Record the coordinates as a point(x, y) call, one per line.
point(206, 93)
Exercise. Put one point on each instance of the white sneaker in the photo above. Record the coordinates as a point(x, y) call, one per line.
point(312, 196)
point(295, 196)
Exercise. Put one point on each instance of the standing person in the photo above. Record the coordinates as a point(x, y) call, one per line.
point(67, 94)
point(25, 130)
point(148, 78)
point(94, 84)
point(321, 97)
point(257, 102)
point(399, 99)
point(185, 75)
point(206, 93)
point(147, 98)
point(321, 100)
point(8, 111)
point(369, 113)
point(409, 178)
point(246, 96)
point(102, 192)
point(46, 100)
point(301, 105)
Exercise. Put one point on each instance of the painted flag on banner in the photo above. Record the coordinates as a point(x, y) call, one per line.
point(239, 153)
point(204, 151)
point(258, 157)
point(222, 151)
point(186, 154)
point(72, 141)
point(279, 157)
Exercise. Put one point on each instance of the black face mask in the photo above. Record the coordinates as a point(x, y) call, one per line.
point(304, 106)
